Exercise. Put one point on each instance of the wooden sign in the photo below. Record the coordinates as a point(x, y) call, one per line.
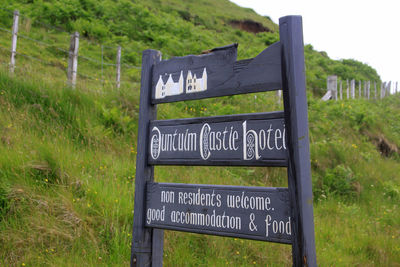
point(248, 212)
point(283, 215)
point(256, 139)
point(216, 74)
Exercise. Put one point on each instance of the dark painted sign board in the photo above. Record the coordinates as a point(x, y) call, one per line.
point(248, 212)
point(282, 215)
point(216, 74)
point(254, 139)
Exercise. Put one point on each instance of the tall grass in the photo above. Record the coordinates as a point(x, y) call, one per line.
point(67, 165)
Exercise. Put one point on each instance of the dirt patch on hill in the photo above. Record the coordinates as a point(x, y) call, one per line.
point(249, 26)
point(385, 147)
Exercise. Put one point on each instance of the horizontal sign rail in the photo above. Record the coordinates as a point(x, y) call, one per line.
point(256, 213)
point(216, 74)
point(238, 140)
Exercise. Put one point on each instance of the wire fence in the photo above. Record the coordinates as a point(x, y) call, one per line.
point(352, 89)
point(99, 69)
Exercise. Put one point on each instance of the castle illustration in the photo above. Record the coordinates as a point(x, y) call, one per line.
point(193, 84)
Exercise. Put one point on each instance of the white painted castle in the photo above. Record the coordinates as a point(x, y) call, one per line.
point(170, 88)
point(195, 84)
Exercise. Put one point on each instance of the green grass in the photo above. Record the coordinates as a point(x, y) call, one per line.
point(67, 180)
point(67, 157)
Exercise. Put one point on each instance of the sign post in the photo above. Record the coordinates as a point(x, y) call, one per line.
point(282, 215)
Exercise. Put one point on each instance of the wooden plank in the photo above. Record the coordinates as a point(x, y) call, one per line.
point(216, 74)
point(246, 212)
point(296, 121)
point(239, 140)
point(327, 96)
point(143, 243)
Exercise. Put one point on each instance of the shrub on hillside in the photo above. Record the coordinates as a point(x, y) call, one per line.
point(339, 181)
point(4, 201)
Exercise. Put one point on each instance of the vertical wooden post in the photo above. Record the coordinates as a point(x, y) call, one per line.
point(102, 77)
point(341, 90)
point(365, 89)
point(396, 87)
point(375, 90)
point(332, 86)
point(118, 66)
point(359, 89)
point(389, 87)
point(278, 96)
point(382, 89)
point(353, 88)
point(296, 121)
point(73, 60)
point(368, 89)
point(14, 41)
point(147, 244)
point(348, 89)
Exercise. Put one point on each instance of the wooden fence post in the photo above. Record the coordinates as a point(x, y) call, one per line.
point(389, 87)
point(332, 86)
point(365, 89)
point(353, 88)
point(278, 96)
point(368, 89)
point(102, 77)
point(341, 90)
point(14, 41)
point(73, 60)
point(396, 87)
point(375, 89)
point(348, 89)
point(359, 89)
point(118, 66)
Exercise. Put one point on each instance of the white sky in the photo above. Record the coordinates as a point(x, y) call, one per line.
point(364, 30)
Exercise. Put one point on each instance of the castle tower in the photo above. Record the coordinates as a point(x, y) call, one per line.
point(180, 84)
point(204, 78)
point(189, 82)
point(160, 88)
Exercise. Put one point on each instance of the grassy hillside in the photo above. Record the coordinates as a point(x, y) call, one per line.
point(67, 158)
point(174, 27)
point(67, 180)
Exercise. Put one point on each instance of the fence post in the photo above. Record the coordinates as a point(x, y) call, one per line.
point(14, 41)
point(341, 90)
point(332, 86)
point(278, 96)
point(396, 87)
point(359, 89)
point(102, 77)
point(383, 86)
point(348, 89)
point(353, 88)
point(73, 60)
point(368, 89)
point(375, 89)
point(365, 89)
point(389, 86)
point(118, 65)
